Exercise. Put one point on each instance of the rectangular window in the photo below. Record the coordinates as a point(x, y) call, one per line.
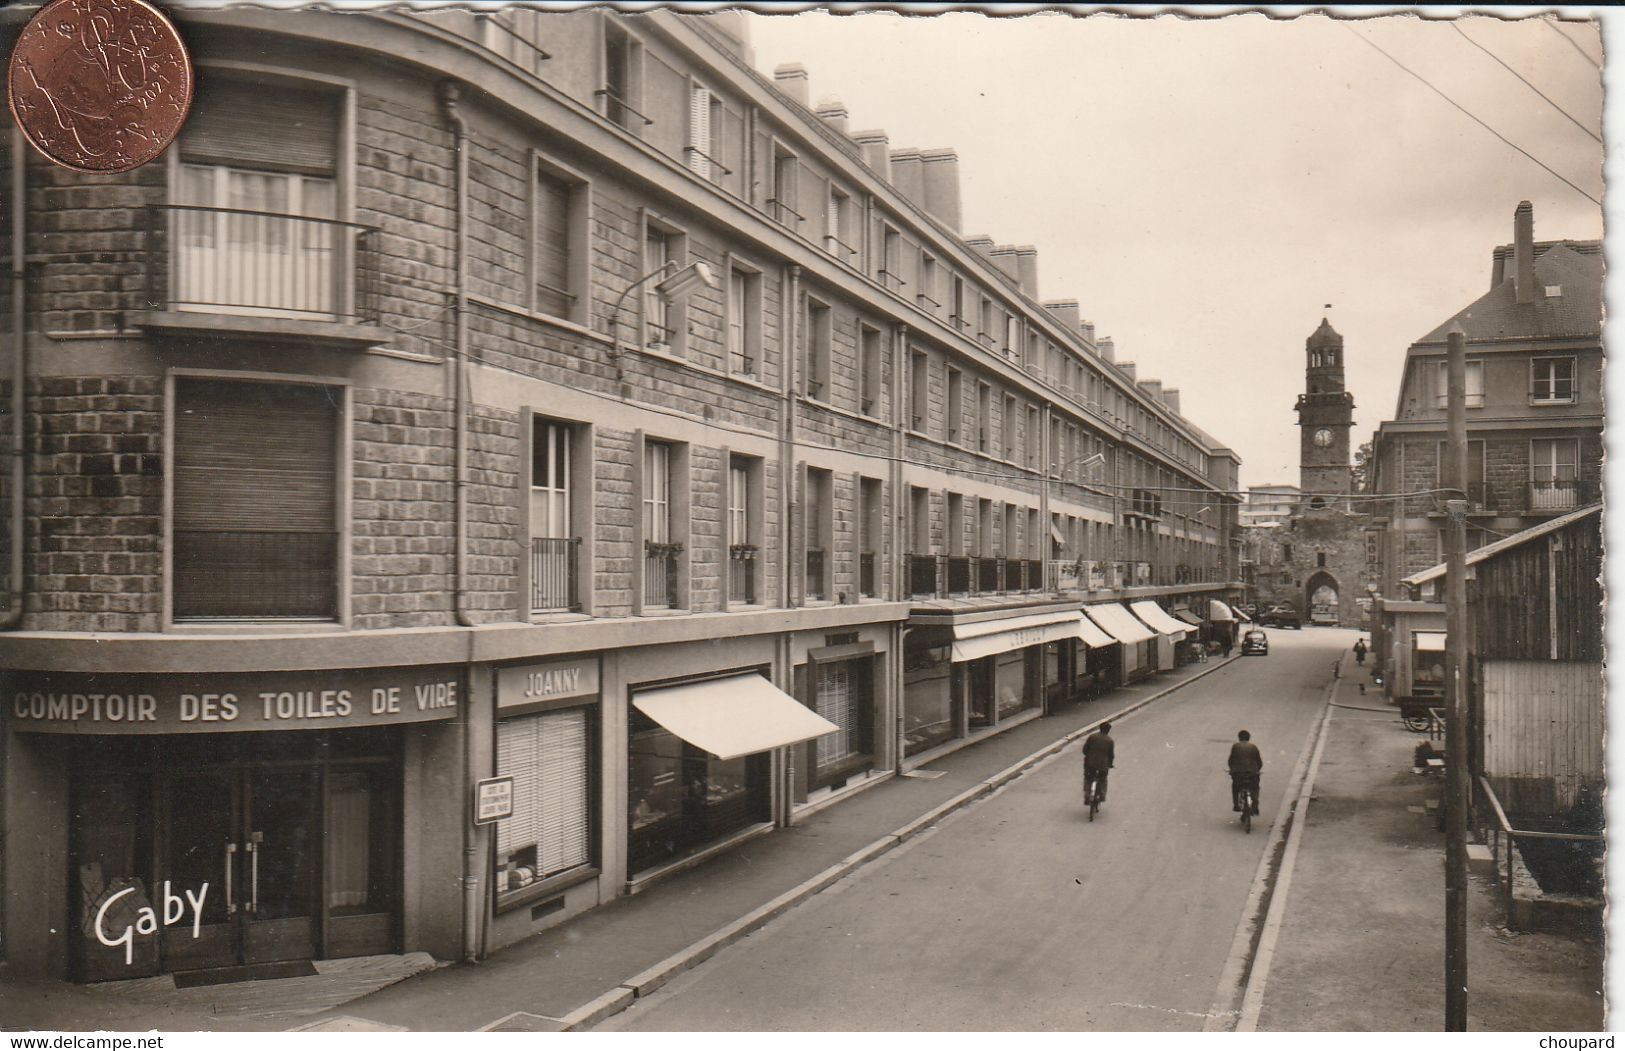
point(1007, 440)
point(781, 201)
point(843, 693)
point(989, 329)
point(549, 757)
point(1055, 447)
point(623, 80)
point(819, 509)
point(928, 283)
point(553, 546)
point(664, 566)
point(818, 337)
point(680, 798)
point(891, 259)
point(869, 534)
point(665, 323)
point(1475, 470)
point(704, 133)
point(1011, 514)
point(1475, 385)
point(959, 317)
point(919, 391)
point(657, 493)
point(559, 243)
point(984, 528)
point(955, 525)
point(838, 221)
point(956, 406)
point(1012, 335)
point(744, 535)
point(1551, 381)
point(919, 520)
point(984, 417)
point(255, 505)
point(744, 321)
point(1034, 434)
point(869, 371)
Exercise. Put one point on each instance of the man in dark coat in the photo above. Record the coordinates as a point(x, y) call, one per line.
point(1359, 651)
point(1099, 753)
point(1246, 766)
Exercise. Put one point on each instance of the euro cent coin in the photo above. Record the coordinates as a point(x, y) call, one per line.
point(100, 85)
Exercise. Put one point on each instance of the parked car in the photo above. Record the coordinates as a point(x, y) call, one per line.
point(1281, 617)
point(1255, 641)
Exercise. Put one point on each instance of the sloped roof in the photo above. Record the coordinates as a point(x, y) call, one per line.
point(1577, 312)
point(1491, 550)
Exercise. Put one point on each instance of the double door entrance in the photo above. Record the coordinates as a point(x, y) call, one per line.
point(253, 862)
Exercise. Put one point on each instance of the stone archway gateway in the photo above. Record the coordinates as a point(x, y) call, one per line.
point(1321, 594)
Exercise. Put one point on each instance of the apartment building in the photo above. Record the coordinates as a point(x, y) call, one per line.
point(493, 461)
point(1534, 406)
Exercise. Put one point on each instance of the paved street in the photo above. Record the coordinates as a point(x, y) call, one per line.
point(1019, 914)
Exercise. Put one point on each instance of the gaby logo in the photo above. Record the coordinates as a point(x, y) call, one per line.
point(146, 918)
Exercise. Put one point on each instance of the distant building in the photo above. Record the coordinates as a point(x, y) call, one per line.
point(1266, 504)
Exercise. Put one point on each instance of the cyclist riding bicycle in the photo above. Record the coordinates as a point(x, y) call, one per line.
point(1099, 754)
point(1246, 765)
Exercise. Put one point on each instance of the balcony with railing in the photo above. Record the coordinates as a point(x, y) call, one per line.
point(660, 574)
point(1561, 495)
point(867, 584)
point(817, 580)
point(742, 574)
point(553, 574)
point(959, 575)
point(923, 575)
point(989, 575)
point(231, 270)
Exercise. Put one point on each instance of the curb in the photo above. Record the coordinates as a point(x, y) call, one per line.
point(647, 981)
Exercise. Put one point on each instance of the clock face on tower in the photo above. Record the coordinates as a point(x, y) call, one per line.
point(1323, 437)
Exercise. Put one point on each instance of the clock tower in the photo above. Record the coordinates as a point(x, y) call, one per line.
point(1325, 414)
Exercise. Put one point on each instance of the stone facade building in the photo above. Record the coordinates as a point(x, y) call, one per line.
point(494, 460)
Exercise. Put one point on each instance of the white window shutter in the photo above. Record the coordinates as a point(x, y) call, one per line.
point(699, 131)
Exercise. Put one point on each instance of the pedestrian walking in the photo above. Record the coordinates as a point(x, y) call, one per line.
point(1359, 651)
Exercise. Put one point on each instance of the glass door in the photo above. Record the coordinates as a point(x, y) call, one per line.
point(199, 862)
point(278, 873)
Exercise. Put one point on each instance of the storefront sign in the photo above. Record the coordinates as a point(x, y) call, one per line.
point(493, 800)
point(114, 703)
point(529, 684)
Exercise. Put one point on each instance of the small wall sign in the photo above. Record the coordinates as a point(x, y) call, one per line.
point(493, 800)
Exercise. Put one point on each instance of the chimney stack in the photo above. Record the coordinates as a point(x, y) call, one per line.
point(876, 151)
point(1063, 310)
point(1087, 330)
point(791, 78)
point(942, 186)
point(1004, 257)
point(907, 175)
point(1153, 388)
point(1128, 370)
point(832, 112)
point(1170, 398)
point(1498, 271)
point(1107, 348)
point(1027, 270)
point(1523, 250)
point(982, 243)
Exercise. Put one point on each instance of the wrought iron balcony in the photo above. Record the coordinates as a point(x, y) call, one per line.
point(988, 574)
point(742, 574)
point(553, 574)
point(959, 574)
point(1561, 495)
point(234, 261)
point(660, 573)
point(923, 575)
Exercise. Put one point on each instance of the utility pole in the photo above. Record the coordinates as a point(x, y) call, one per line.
point(1456, 762)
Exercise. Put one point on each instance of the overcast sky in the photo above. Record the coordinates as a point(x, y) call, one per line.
point(1203, 187)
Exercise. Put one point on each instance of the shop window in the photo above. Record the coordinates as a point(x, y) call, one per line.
point(679, 799)
point(929, 706)
point(255, 528)
point(549, 757)
point(842, 692)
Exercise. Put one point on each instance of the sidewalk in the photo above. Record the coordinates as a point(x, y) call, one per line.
point(640, 939)
point(1361, 945)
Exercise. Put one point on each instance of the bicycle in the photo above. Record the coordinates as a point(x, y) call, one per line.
point(1249, 806)
point(1091, 797)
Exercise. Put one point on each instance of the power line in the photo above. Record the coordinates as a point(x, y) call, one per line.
point(1478, 120)
point(1457, 27)
point(1552, 24)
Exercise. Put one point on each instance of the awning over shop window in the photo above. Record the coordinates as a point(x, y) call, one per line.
point(1158, 619)
point(1217, 610)
point(1430, 641)
point(1118, 622)
point(986, 637)
point(1055, 531)
point(1092, 636)
point(1188, 617)
point(739, 715)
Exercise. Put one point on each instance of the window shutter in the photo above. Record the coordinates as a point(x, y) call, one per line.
point(255, 500)
point(260, 125)
point(699, 131)
point(552, 245)
point(547, 757)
